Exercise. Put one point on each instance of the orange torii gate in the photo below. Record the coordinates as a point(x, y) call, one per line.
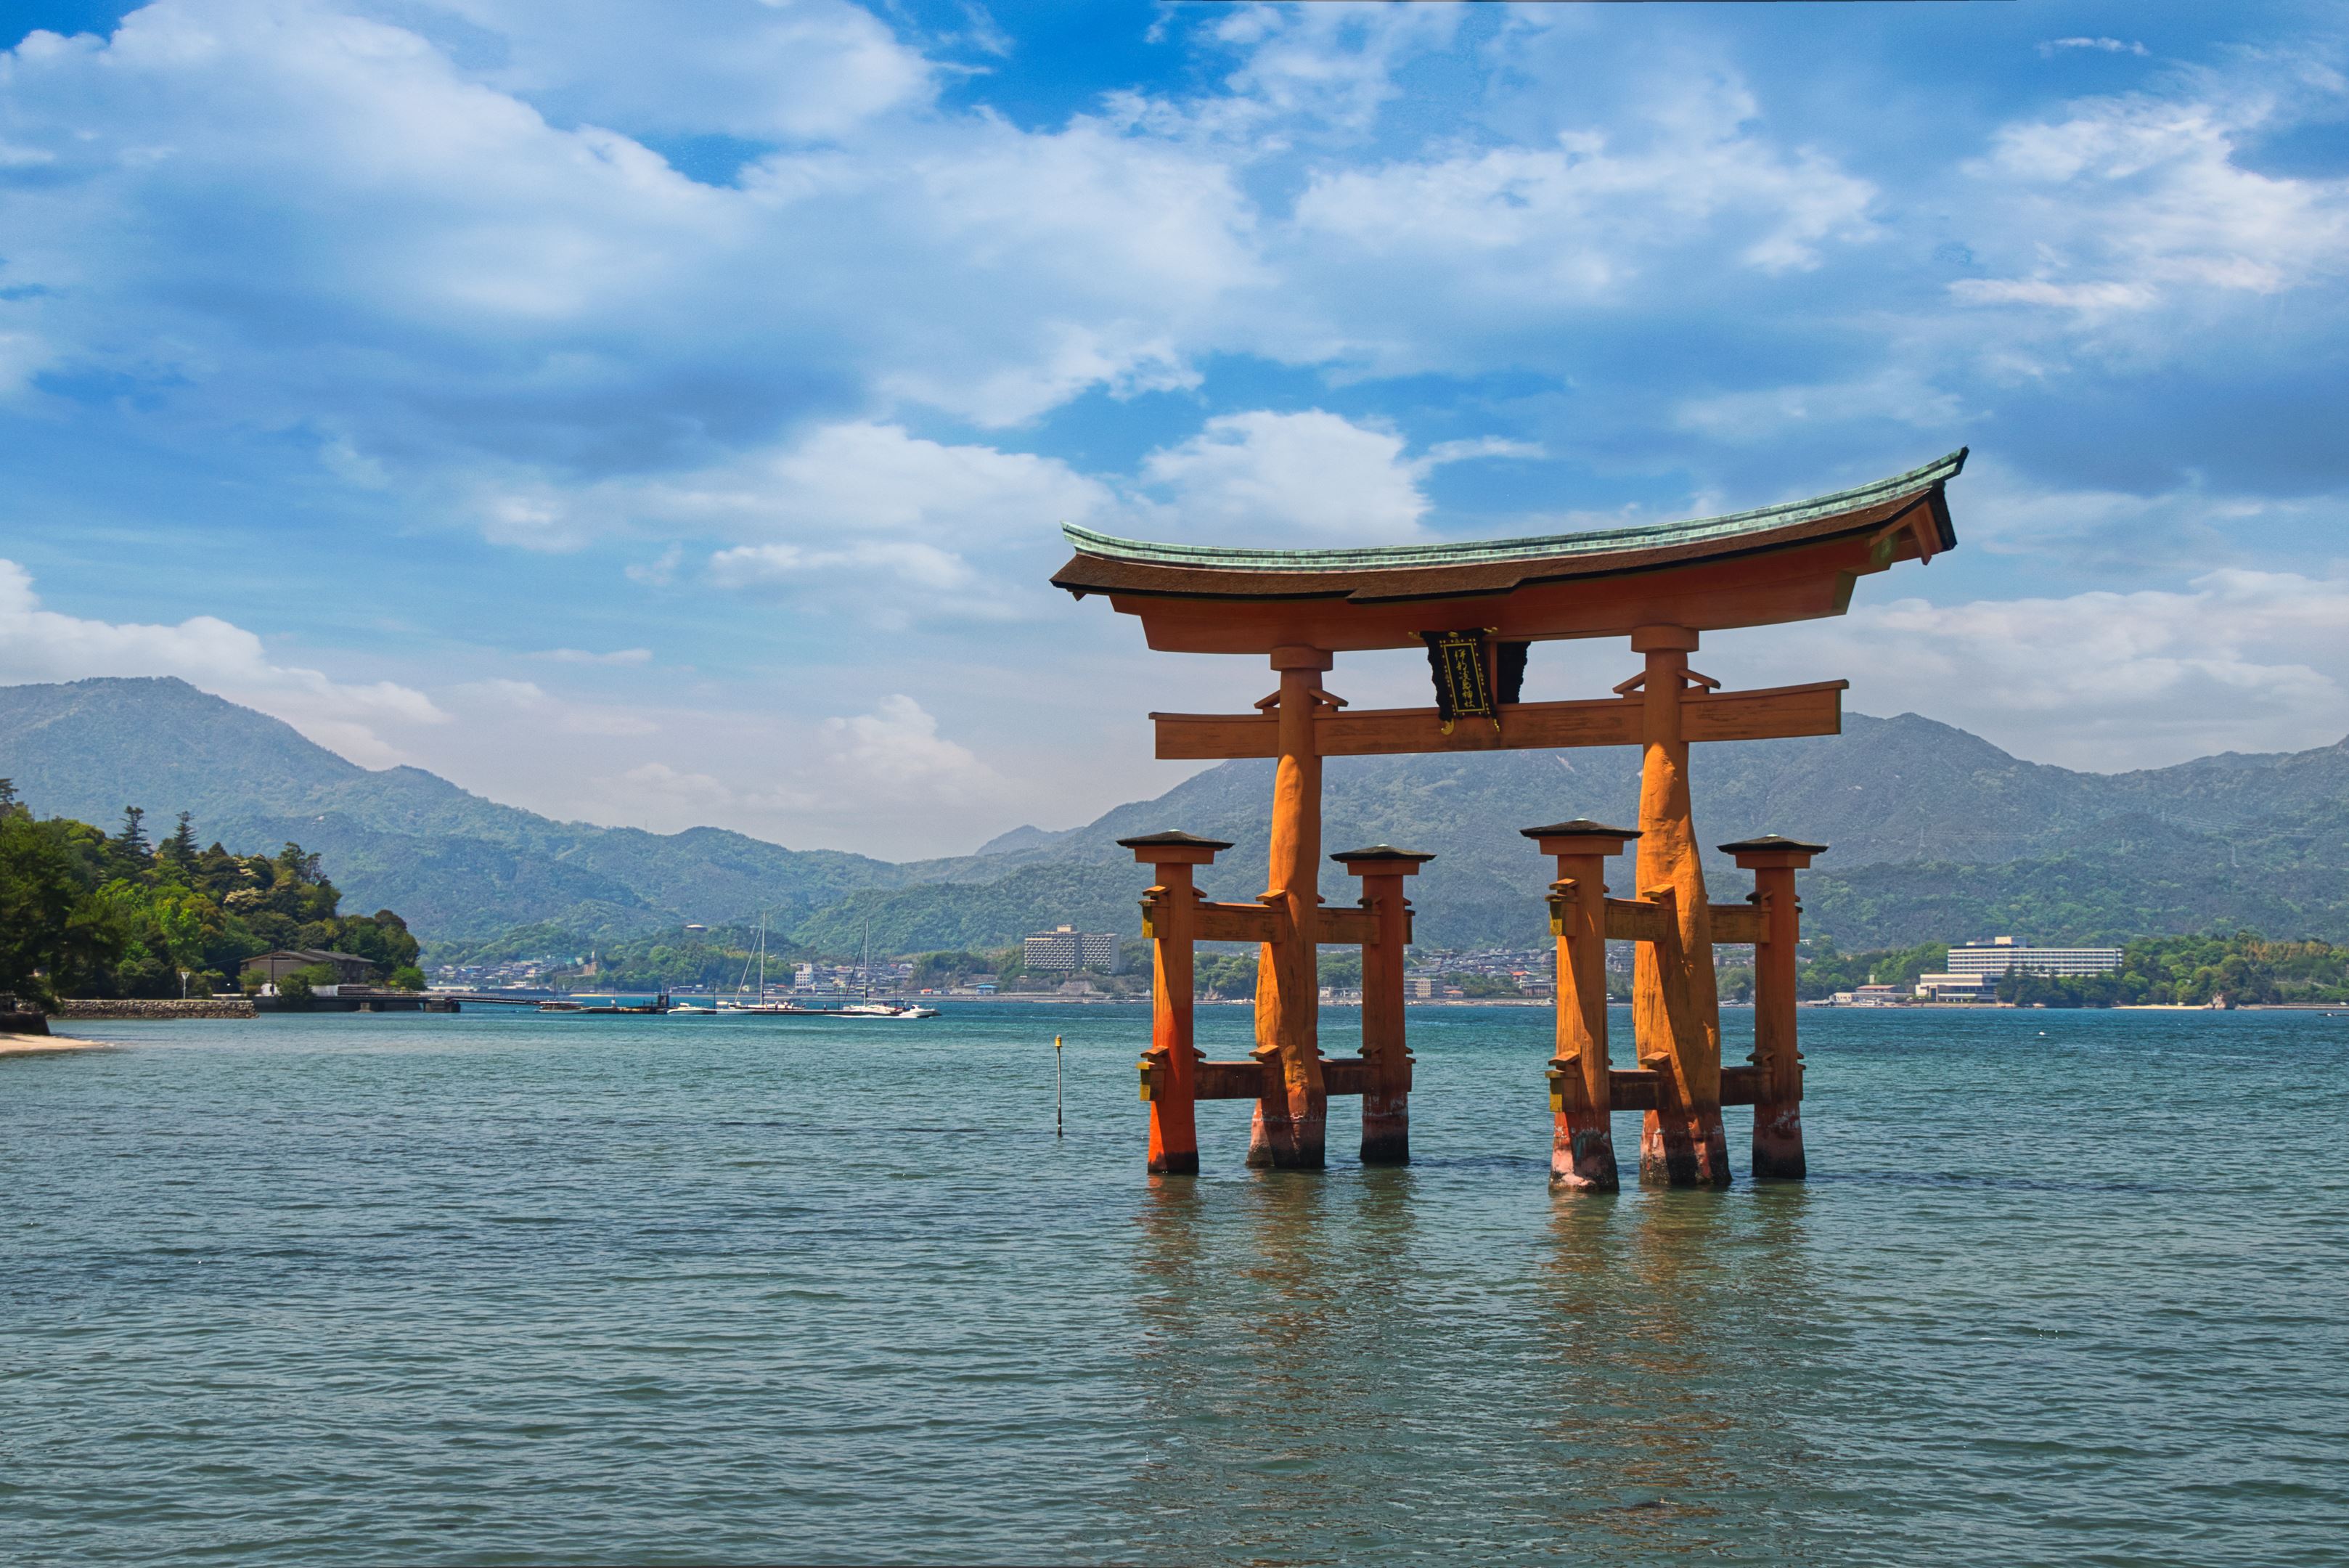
point(1475, 608)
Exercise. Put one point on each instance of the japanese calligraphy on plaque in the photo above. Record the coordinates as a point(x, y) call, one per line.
point(1474, 675)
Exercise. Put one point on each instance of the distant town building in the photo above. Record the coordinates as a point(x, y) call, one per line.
point(1067, 948)
point(804, 978)
point(1957, 987)
point(1422, 987)
point(274, 967)
point(2003, 955)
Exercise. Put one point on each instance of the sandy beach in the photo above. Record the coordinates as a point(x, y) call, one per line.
point(27, 1044)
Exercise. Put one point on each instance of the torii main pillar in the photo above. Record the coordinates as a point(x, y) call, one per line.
point(1292, 1124)
point(1683, 1143)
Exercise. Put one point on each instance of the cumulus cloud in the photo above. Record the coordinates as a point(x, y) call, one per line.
point(2237, 660)
point(37, 644)
point(2126, 203)
point(1311, 475)
point(1310, 478)
point(896, 750)
point(789, 70)
point(475, 281)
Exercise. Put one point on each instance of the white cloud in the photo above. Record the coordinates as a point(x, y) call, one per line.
point(503, 697)
point(892, 758)
point(1309, 478)
point(1539, 230)
point(2239, 661)
point(2107, 45)
point(896, 751)
point(677, 786)
point(37, 644)
point(581, 655)
point(479, 281)
point(1902, 393)
point(902, 563)
point(2124, 205)
point(784, 70)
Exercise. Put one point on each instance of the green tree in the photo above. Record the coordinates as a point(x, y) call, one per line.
point(301, 983)
point(54, 935)
point(180, 851)
point(131, 851)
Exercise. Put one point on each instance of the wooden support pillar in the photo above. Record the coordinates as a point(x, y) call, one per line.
point(1683, 1143)
point(1291, 1119)
point(1170, 1068)
point(1582, 1147)
point(1778, 1099)
point(1386, 1095)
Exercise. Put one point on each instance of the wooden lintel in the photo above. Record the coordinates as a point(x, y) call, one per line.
point(1636, 921)
point(1343, 926)
point(1638, 1088)
point(1237, 923)
point(1245, 1080)
point(1774, 713)
point(1737, 922)
point(1769, 713)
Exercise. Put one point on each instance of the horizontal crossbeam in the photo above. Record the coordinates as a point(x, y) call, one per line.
point(1772, 713)
point(1341, 927)
point(1638, 1088)
point(1636, 921)
point(1238, 923)
point(1247, 1080)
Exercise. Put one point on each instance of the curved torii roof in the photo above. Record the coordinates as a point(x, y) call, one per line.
point(1794, 561)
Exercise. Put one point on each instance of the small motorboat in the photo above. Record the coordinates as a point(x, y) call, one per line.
point(893, 1009)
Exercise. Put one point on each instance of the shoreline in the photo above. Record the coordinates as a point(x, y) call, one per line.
point(33, 1045)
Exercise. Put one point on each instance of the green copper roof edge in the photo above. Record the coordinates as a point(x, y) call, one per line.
point(1597, 542)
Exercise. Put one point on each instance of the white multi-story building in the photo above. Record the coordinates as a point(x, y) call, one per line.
point(1067, 948)
point(1957, 987)
point(2003, 955)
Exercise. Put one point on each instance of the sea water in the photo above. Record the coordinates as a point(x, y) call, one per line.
point(2064, 1287)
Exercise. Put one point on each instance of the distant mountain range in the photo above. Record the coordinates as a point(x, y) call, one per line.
point(1936, 835)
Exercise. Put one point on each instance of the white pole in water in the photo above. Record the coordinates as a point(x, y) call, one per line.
point(1060, 1126)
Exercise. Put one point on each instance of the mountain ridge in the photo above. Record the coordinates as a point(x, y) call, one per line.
point(1931, 827)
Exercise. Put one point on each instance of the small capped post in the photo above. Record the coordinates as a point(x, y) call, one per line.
point(1169, 920)
point(1386, 1097)
point(1778, 1098)
point(1582, 1147)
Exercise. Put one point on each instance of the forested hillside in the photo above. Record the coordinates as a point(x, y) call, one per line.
point(88, 913)
point(1936, 835)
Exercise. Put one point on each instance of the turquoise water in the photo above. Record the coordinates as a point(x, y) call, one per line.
point(2065, 1288)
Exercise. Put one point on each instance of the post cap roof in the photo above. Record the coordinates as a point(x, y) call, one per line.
point(1770, 841)
point(1172, 840)
point(1382, 852)
point(1581, 825)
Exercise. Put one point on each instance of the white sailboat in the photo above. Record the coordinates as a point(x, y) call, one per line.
point(742, 983)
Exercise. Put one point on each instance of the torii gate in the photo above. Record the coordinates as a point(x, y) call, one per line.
point(1475, 608)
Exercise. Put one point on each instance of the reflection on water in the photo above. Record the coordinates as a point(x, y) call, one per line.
point(1329, 1364)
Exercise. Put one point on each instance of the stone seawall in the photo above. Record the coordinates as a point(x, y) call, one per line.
point(23, 1023)
point(194, 1007)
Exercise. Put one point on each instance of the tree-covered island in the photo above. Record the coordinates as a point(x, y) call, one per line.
point(84, 912)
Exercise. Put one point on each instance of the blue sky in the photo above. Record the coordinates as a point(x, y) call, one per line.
point(661, 421)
